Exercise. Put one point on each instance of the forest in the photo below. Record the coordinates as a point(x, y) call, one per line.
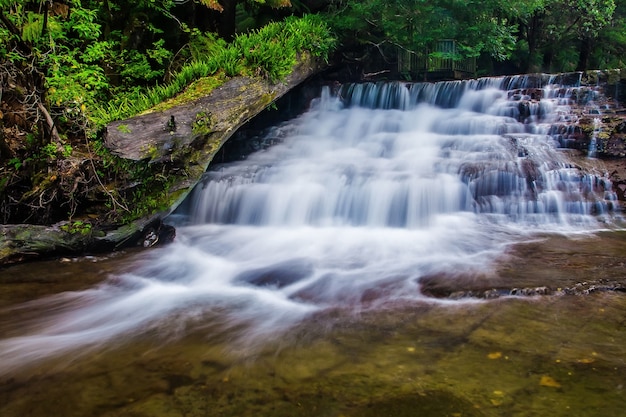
point(67, 68)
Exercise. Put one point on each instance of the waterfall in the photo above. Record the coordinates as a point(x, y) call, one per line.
point(371, 189)
point(401, 154)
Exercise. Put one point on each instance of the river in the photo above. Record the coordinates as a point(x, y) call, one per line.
point(346, 270)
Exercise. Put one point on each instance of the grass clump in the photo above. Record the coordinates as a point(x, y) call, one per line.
point(269, 52)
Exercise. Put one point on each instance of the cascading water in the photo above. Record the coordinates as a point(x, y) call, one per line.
point(372, 188)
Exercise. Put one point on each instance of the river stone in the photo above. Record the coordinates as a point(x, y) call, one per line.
point(279, 275)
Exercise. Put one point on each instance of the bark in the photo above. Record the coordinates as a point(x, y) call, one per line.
point(44, 26)
point(533, 37)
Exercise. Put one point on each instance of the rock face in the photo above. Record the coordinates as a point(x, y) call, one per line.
point(178, 144)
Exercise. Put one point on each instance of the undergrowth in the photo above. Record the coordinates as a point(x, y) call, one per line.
point(269, 52)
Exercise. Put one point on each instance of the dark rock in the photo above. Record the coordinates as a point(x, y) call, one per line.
point(279, 276)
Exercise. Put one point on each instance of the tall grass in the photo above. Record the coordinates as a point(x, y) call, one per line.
point(270, 52)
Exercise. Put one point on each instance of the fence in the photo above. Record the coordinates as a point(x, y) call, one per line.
point(439, 63)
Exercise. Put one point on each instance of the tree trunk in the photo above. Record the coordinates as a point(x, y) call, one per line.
point(44, 26)
point(548, 57)
point(226, 25)
point(583, 54)
point(533, 35)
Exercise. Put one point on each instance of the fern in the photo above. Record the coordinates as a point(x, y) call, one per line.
point(269, 52)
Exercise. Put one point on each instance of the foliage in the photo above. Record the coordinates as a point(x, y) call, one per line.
point(269, 52)
point(415, 25)
point(69, 67)
point(149, 192)
point(553, 34)
point(215, 4)
point(77, 227)
point(98, 68)
point(557, 33)
point(610, 50)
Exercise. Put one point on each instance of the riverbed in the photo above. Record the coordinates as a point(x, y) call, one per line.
point(561, 355)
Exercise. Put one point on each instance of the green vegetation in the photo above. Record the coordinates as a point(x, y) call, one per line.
point(147, 193)
point(77, 227)
point(269, 52)
point(70, 67)
point(522, 36)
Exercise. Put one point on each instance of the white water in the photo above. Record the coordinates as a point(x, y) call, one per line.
point(349, 211)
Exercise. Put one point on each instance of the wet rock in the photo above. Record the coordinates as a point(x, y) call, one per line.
point(157, 233)
point(279, 275)
point(530, 292)
point(582, 288)
point(22, 242)
point(586, 288)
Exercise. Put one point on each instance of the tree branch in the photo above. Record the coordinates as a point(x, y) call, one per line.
point(51, 125)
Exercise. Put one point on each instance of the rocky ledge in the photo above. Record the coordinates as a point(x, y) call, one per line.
point(580, 288)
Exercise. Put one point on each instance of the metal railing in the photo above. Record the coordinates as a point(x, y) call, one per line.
point(440, 60)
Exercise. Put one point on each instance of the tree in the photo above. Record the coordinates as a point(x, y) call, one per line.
point(568, 27)
point(590, 18)
point(610, 45)
point(479, 27)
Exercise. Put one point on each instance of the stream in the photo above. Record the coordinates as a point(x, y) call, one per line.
point(342, 271)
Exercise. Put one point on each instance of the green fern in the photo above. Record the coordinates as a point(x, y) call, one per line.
point(269, 52)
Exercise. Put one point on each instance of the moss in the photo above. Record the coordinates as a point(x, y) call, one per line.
point(124, 128)
point(614, 76)
point(203, 123)
point(194, 91)
point(150, 151)
point(591, 77)
point(78, 226)
point(267, 99)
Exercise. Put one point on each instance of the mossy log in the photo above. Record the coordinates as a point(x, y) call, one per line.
point(177, 143)
point(181, 141)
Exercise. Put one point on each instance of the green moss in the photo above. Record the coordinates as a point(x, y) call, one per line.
point(77, 227)
point(196, 90)
point(613, 76)
point(203, 123)
point(124, 128)
point(267, 99)
point(150, 151)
